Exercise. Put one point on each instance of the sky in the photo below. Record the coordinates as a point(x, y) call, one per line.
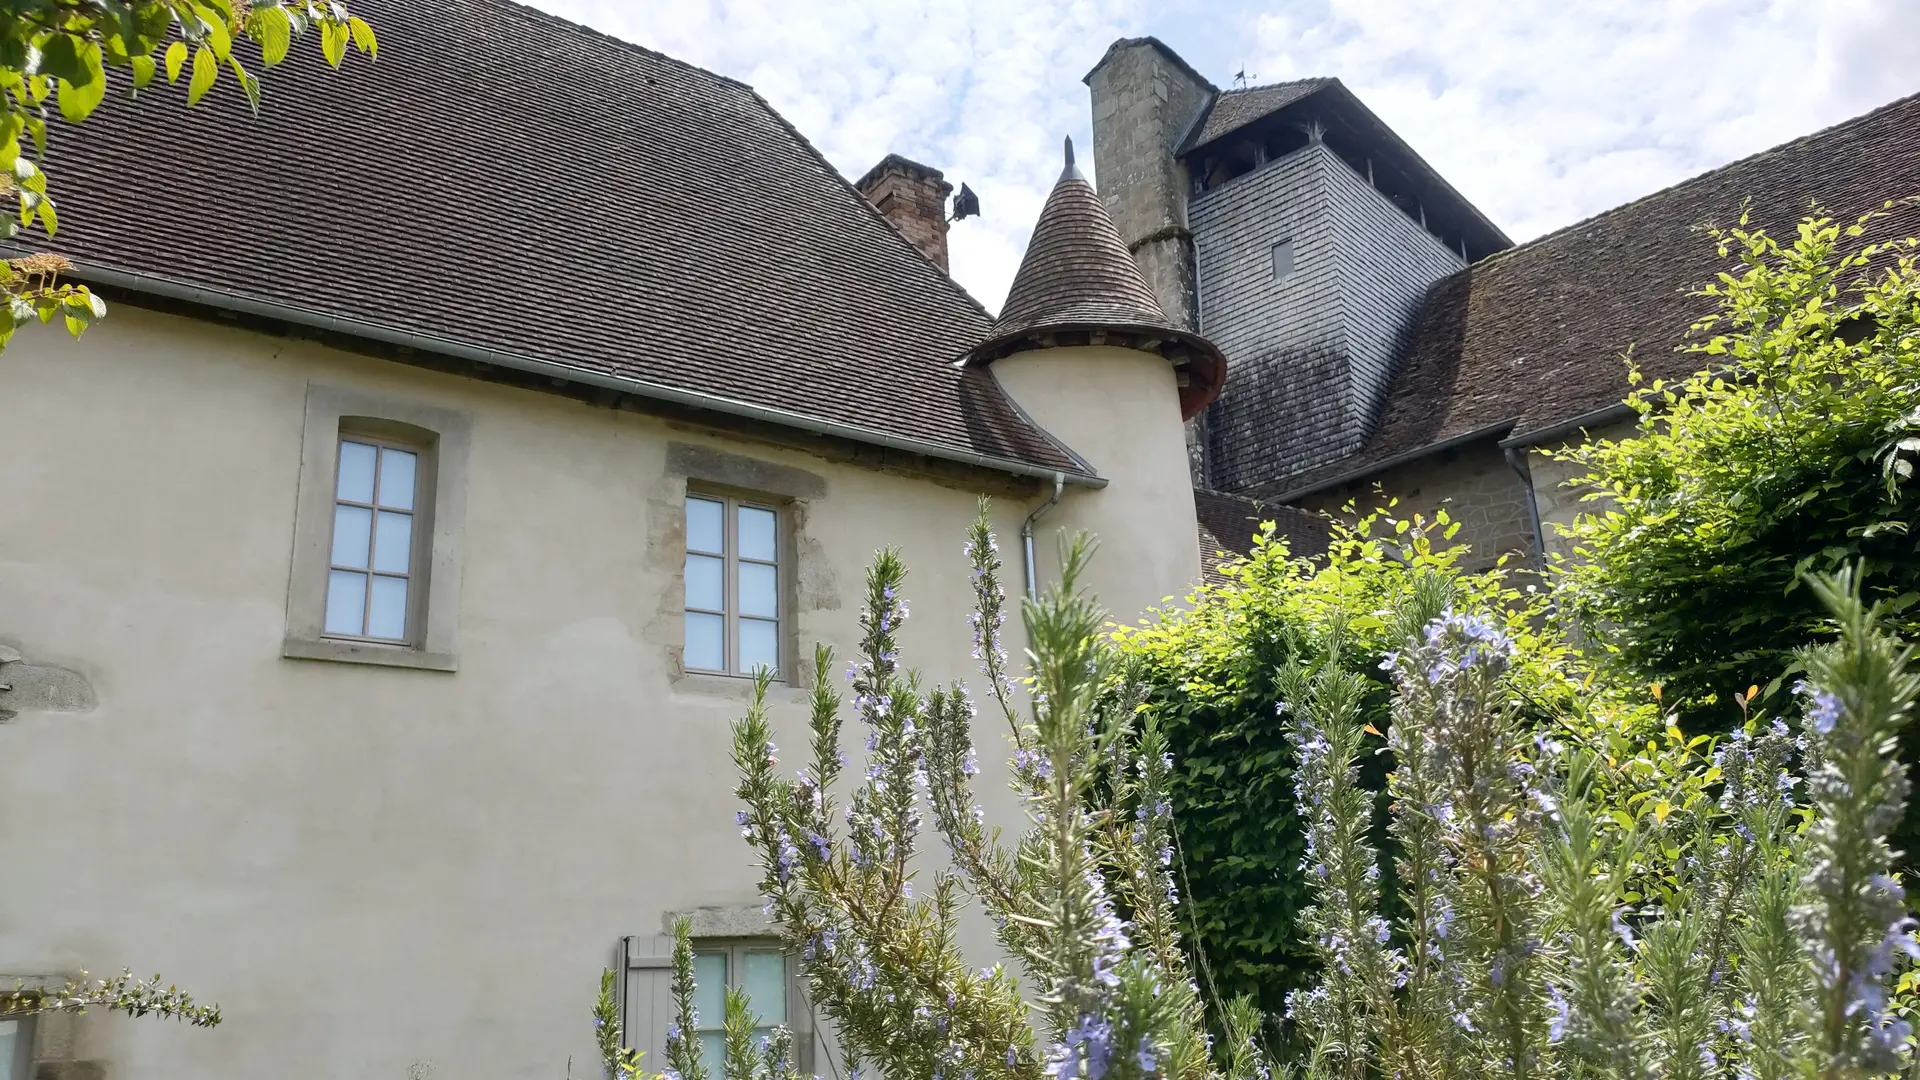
point(1541, 112)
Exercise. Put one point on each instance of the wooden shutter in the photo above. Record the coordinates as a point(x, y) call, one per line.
point(647, 1001)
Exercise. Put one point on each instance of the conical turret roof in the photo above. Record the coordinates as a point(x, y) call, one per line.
point(1078, 285)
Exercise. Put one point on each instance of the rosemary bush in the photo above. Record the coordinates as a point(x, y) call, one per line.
point(1082, 898)
point(1548, 930)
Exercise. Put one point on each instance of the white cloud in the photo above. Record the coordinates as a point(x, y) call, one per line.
point(981, 90)
point(1541, 112)
point(1544, 114)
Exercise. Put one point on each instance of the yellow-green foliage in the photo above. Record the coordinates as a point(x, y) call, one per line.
point(1214, 669)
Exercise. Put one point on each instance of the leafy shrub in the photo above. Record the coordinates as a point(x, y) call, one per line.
point(1787, 453)
point(1216, 679)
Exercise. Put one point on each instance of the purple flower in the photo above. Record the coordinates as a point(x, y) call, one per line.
point(1145, 1055)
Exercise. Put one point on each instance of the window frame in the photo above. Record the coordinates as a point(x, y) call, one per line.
point(442, 439)
point(22, 1065)
point(1274, 273)
point(736, 949)
point(417, 575)
point(731, 504)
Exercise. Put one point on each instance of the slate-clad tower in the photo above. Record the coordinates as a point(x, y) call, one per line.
point(1309, 234)
point(1085, 349)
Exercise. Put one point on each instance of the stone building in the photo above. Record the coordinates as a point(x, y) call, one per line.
point(385, 571)
point(1383, 335)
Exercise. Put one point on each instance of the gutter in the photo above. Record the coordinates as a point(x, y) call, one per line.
point(1612, 414)
point(1384, 464)
point(228, 301)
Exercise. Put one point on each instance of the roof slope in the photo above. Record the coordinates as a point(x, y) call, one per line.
point(507, 180)
point(1532, 338)
point(1231, 110)
point(1228, 524)
point(1077, 275)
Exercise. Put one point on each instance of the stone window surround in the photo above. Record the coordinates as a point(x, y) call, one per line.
point(52, 1038)
point(708, 470)
point(445, 440)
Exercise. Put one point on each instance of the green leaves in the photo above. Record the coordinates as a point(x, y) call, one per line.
point(271, 27)
point(333, 42)
point(206, 69)
point(65, 49)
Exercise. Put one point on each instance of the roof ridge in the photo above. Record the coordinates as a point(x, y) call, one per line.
point(621, 42)
point(1689, 182)
point(1282, 83)
point(814, 152)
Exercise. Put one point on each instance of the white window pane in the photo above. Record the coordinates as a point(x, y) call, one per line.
point(352, 528)
point(710, 992)
point(356, 471)
point(713, 1049)
point(387, 611)
point(393, 543)
point(396, 478)
point(766, 985)
point(9, 1048)
point(705, 637)
point(759, 590)
point(346, 602)
point(706, 577)
point(706, 525)
point(759, 645)
point(756, 533)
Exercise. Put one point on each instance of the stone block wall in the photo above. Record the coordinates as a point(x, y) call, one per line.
point(1144, 99)
point(1473, 483)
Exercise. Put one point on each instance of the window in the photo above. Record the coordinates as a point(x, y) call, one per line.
point(761, 971)
point(375, 554)
point(1282, 259)
point(732, 586)
point(376, 568)
point(16, 1049)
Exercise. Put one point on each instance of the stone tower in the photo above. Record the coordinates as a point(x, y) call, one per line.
point(1086, 350)
point(1295, 230)
point(1144, 99)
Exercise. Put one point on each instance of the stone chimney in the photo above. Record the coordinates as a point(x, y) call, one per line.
point(914, 197)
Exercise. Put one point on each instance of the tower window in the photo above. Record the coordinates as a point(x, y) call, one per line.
point(1282, 259)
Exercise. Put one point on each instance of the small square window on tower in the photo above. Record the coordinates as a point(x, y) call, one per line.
point(1282, 259)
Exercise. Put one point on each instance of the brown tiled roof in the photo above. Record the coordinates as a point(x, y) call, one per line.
point(1077, 276)
point(1234, 109)
point(508, 181)
point(1532, 338)
point(1228, 524)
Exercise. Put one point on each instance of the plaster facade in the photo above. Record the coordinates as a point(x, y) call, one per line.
point(398, 872)
point(1119, 409)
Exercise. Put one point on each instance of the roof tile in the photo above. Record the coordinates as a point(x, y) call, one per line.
point(1532, 337)
point(511, 181)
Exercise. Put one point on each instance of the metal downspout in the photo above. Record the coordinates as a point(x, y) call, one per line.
point(1516, 460)
point(1026, 531)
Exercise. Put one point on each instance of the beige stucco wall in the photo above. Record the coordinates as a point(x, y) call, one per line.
point(377, 870)
point(1119, 409)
